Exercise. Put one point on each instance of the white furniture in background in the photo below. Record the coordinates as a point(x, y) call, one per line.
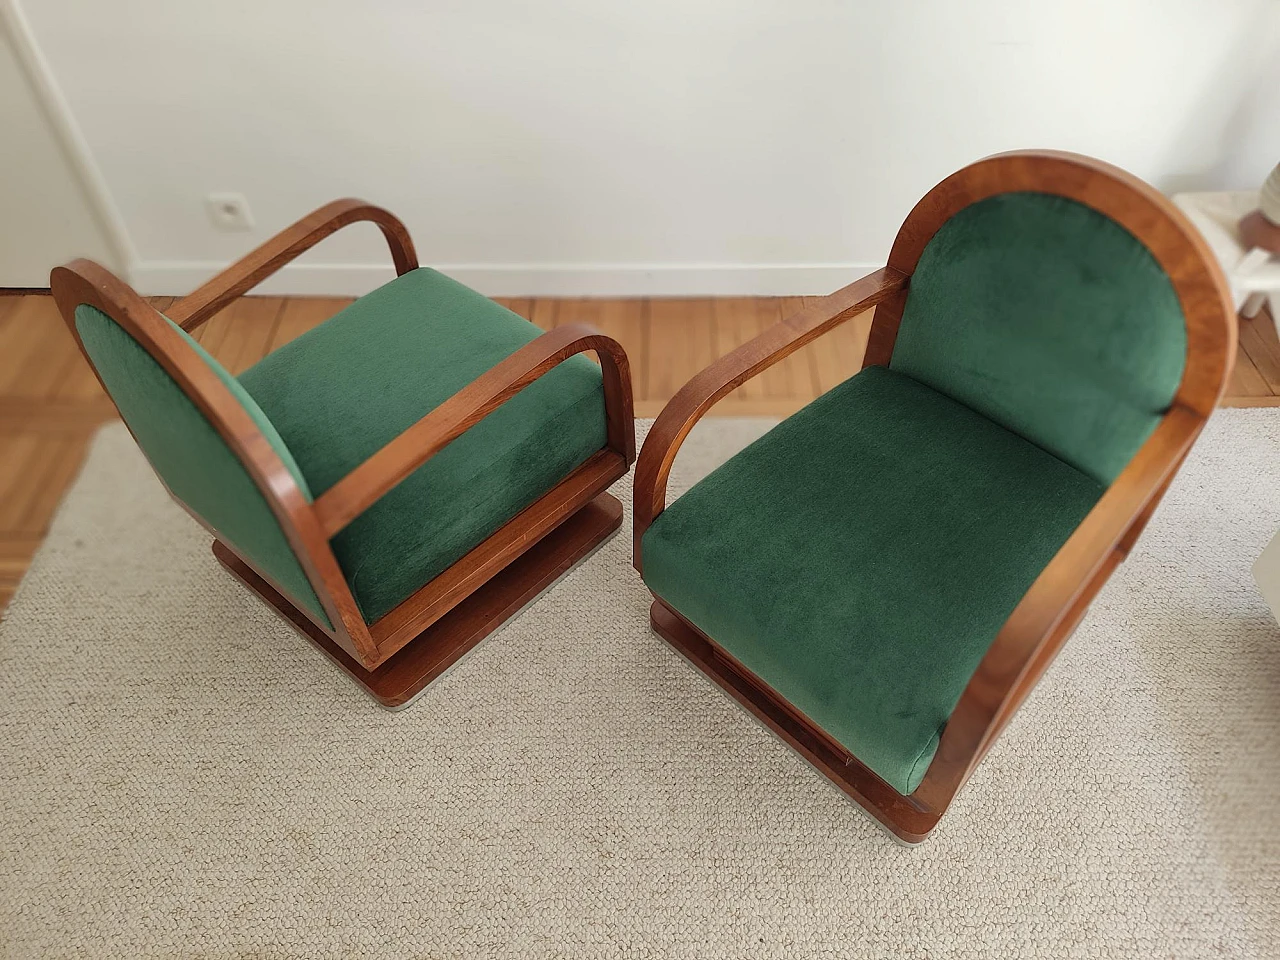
point(1266, 573)
point(1254, 274)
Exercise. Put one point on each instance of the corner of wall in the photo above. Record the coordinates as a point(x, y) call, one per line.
point(31, 59)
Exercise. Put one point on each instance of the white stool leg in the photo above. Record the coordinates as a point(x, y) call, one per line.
point(1266, 572)
point(1252, 304)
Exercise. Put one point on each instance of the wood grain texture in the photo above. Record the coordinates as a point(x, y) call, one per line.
point(358, 490)
point(300, 314)
point(721, 377)
point(435, 599)
point(85, 282)
point(1246, 383)
point(78, 405)
point(899, 814)
point(1261, 350)
point(241, 334)
point(1049, 611)
point(396, 681)
point(246, 273)
point(1059, 597)
point(249, 328)
point(1137, 206)
point(680, 340)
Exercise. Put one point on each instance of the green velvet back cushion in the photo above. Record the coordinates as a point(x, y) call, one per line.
point(1050, 319)
point(189, 454)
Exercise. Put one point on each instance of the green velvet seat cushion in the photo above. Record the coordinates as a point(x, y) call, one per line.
point(340, 392)
point(862, 555)
point(190, 456)
point(1051, 319)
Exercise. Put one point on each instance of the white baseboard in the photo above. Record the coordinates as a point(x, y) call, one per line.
point(173, 278)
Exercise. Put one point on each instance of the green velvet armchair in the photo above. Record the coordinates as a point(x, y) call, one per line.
point(398, 481)
point(884, 576)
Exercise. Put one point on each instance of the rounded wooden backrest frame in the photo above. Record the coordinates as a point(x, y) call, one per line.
point(1054, 604)
point(308, 526)
point(85, 282)
point(1132, 203)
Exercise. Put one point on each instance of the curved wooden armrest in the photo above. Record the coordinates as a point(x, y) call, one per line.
point(364, 485)
point(697, 396)
point(1035, 630)
point(247, 272)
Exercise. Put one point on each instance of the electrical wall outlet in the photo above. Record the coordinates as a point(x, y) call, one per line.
point(229, 211)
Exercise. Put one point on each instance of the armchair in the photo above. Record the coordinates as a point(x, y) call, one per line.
point(395, 483)
point(884, 576)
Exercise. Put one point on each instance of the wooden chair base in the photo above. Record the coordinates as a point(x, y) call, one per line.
point(908, 820)
point(397, 682)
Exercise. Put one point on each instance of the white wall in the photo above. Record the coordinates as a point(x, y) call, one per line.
point(664, 146)
point(46, 217)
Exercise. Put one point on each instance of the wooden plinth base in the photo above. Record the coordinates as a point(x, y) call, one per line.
point(907, 819)
point(395, 683)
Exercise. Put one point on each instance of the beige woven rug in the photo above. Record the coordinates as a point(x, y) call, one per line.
point(180, 775)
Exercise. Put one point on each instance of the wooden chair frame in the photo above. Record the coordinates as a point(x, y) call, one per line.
point(399, 654)
point(1059, 597)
